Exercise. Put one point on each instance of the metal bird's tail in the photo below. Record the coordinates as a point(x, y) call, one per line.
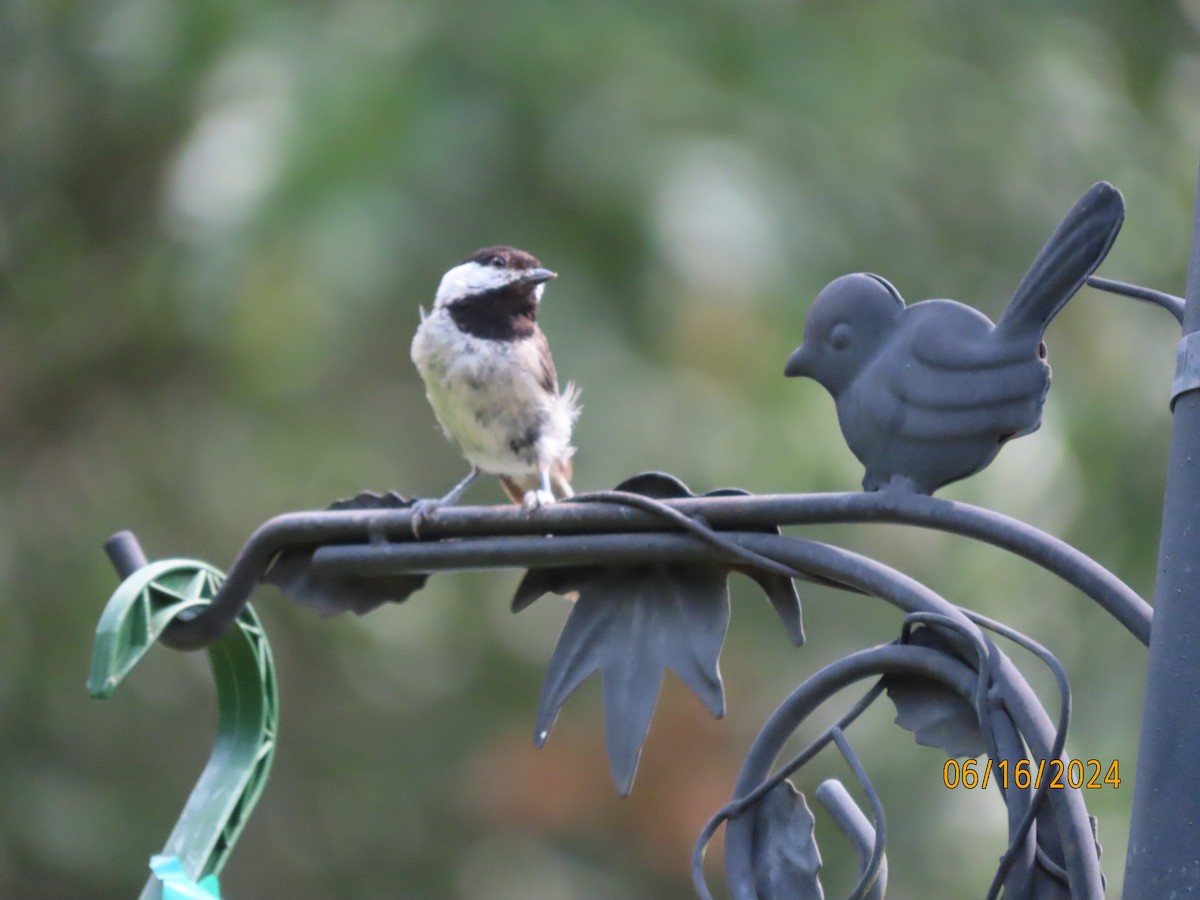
point(1074, 251)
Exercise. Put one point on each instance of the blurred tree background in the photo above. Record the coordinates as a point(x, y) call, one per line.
point(217, 220)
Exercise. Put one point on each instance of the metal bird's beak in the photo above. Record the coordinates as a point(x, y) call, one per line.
point(536, 276)
point(798, 363)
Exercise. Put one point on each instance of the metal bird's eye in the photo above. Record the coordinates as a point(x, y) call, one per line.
point(839, 336)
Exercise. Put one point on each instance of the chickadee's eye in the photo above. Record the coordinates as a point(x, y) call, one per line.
point(497, 261)
point(839, 336)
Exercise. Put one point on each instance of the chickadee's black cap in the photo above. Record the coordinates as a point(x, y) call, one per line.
point(505, 258)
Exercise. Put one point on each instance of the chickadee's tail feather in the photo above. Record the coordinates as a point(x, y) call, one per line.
point(560, 479)
point(515, 492)
point(517, 486)
point(569, 398)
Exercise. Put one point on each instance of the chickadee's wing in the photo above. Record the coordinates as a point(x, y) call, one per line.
point(547, 376)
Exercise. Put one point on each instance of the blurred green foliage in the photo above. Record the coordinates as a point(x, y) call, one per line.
point(217, 220)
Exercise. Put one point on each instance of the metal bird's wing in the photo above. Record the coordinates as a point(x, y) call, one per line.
point(937, 385)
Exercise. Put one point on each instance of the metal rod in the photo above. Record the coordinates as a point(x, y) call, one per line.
point(125, 553)
point(1162, 860)
point(1172, 304)
point(311, 529)
point(516, 552)
point(875, 863)
point(854, 823)
point(610, 549)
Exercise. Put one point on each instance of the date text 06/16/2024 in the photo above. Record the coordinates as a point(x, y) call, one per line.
point(1076, 773)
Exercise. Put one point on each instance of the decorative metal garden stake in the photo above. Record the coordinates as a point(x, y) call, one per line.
point(649, 563)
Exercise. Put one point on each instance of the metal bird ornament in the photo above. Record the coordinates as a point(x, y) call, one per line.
point(927, 394)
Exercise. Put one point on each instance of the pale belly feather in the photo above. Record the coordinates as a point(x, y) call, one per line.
point(487, 399)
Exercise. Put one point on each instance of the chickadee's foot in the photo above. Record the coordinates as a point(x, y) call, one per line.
point(424, 511)
point(536, 499)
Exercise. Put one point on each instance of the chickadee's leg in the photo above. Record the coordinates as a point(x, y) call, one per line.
point(424, 510)
point(540, 497)
point(457, 491)
point(561, 485)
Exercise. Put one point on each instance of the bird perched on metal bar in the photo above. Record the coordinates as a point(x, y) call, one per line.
point(927, 394)
point(491, 380)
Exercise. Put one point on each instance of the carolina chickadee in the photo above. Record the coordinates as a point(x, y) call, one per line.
point(491, 381)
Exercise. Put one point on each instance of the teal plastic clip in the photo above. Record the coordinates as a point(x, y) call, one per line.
point(177, 886)
point(247, 714)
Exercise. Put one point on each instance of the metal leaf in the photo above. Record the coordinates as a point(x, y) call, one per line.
point(372, 500)
point(659, 485)
point(631, 624)
point(292, 572)
point(787, 861)
point(936, 715)
point(780, 591)
point(539, 582)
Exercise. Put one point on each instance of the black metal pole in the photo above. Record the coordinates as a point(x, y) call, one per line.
point(1164, 836)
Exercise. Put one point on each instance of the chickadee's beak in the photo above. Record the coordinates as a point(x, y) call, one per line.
point(798, 363)
point(536, 276)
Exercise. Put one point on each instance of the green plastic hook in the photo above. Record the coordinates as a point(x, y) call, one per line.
point(247, 703)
